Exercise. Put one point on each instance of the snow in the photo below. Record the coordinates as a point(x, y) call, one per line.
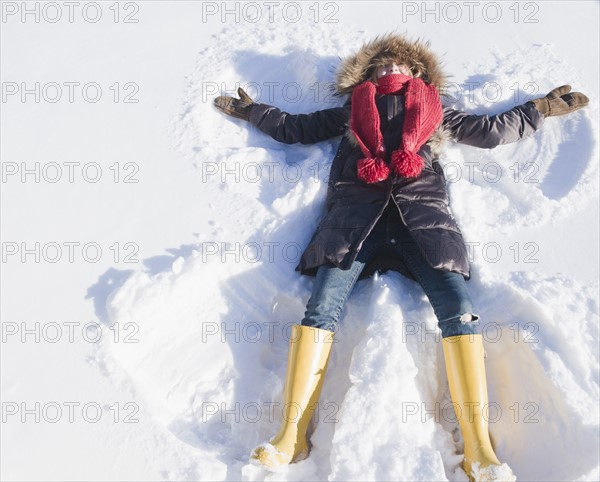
point(195, 334)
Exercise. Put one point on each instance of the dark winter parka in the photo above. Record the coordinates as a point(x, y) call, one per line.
point(353, 207)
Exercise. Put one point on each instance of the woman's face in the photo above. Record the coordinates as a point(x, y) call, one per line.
point(392, 68)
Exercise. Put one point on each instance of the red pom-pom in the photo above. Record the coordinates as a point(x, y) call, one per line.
point(407, 163)
point(373, 170)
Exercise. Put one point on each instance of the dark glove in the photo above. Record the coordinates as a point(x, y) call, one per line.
point(560, 101)
point(239, 108)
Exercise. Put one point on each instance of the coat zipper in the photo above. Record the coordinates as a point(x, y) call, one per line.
point(399, 211)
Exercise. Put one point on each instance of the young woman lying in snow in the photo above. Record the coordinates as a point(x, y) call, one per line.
point(388, 208)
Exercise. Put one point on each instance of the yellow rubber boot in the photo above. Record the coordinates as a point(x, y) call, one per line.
point(307, 363)
point(464, 357)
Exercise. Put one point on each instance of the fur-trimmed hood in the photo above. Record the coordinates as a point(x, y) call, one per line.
point(382, 50)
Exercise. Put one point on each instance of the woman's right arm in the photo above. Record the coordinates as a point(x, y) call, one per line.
point(284, 127)
point(303, 128)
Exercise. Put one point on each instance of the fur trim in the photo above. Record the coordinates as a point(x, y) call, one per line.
point(438, 141)
point(390, 47)
point(351, 137)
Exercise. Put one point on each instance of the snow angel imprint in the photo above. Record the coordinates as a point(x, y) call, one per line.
point(387, 208)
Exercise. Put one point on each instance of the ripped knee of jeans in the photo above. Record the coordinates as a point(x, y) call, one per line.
point(468, 318)
point(465, 324)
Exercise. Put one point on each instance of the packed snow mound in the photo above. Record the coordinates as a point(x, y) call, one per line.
point(214, 328)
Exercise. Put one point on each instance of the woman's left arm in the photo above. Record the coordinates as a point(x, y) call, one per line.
point(488, 131)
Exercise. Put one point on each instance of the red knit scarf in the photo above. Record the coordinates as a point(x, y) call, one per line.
point(422, 115)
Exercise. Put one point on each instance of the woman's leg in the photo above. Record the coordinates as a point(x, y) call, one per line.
point(308, 357)
point(310, 347)
point(333, 285)
point(447, 291)
point(448, 294)
point(462, 344)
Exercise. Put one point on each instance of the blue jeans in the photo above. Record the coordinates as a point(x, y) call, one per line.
point(447, 291)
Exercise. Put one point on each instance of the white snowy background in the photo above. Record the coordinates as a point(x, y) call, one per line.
point(145, 336)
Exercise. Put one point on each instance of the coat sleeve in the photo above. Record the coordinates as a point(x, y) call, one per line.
point(303, 128)
point(489, 131)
